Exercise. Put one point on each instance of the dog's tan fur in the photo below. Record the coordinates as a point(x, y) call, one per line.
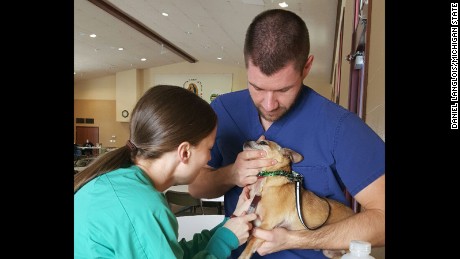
point(277, 207)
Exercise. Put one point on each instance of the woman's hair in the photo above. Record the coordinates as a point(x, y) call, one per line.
point(164, 117)
point(274, 38)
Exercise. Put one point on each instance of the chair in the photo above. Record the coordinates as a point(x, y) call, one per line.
point(187, 203)
point(76, 152)
point(213, 204)
point(83, 161)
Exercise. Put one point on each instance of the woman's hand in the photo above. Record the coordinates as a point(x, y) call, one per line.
point(240, 223)
point(240, 226)
point(243, 201)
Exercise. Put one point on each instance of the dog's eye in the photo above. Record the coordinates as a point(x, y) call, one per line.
point(263, 142)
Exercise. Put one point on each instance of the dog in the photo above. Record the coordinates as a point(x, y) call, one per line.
point(274, 199)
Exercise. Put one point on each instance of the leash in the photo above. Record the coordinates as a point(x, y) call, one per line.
point(298, 179)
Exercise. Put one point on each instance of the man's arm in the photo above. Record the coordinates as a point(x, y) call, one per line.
point(212, 183)
point(367, 225)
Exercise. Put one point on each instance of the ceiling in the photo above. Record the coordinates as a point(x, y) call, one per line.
point(203, 29)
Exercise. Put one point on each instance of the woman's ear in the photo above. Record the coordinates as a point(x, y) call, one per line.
point(184, 152)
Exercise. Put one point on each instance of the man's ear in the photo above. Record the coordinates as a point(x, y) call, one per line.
point(307, 67)
point(183, 152)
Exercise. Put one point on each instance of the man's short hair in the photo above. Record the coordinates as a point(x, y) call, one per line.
point(274, 38)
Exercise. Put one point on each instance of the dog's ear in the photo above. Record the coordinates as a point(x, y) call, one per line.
point(293, 156)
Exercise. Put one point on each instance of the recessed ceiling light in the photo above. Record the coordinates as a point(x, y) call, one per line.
point(164, 14)
point(120, 48)
point(143, 59)
point(283, 4)
point(219, 58)
point(92, 35)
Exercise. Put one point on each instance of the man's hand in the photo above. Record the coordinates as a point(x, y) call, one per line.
point(248, 164)
point(275, 240)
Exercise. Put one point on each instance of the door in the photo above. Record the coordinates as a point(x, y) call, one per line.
point(84, 133)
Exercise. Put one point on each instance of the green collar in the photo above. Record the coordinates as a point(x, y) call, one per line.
point(292, 176)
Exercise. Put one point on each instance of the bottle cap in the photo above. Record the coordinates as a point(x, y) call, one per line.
point(360, 246)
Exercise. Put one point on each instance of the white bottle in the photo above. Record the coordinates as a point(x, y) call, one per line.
point(359, 250)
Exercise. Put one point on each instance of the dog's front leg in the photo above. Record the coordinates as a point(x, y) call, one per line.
point(251, 247)
point(268, 222)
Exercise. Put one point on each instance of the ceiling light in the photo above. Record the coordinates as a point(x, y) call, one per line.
point(120, 48)
point(124, 17)
point(219, 58)
point(92, 35)
point(283, 4)
point(165, 14)
point(143, 59)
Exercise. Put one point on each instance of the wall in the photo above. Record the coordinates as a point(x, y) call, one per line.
point(102, 88)
point(128, 83)
point(103, 112)
point(95, 98)
point(239, 74)
point(375, 103)
point(375, 99)
point(347, 40)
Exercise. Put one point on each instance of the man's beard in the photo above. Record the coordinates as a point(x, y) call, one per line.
point(274, 117)
point(279, 112)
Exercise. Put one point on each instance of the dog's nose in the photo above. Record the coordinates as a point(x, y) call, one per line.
point(250, 145)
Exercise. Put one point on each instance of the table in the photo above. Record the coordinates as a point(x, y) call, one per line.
point(184, 188)
point(98, 149)
point(189, 225)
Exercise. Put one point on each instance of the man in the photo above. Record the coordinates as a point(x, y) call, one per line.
point(340, 151)
point(89, 151)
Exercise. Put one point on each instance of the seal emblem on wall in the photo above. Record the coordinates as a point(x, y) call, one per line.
point(194, 86)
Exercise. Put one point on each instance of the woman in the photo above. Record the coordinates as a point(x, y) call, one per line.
point(120, 210)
